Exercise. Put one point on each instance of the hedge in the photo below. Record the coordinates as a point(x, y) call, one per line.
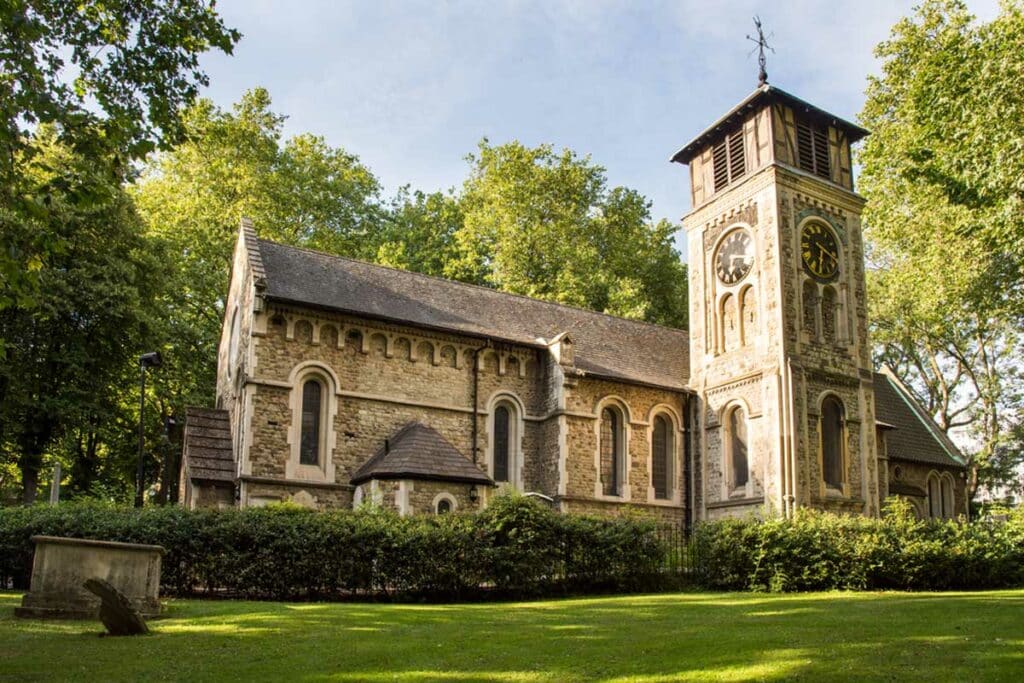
point(821, 551)
point(518, 547)
point(515, 547)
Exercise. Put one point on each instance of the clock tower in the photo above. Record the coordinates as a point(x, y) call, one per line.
point(779, 354)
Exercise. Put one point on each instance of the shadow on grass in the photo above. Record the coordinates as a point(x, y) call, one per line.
point(676, 637)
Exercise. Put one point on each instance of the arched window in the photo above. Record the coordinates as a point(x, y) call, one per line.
point(730, 324)
point(948, 510)
point(810, 305)
point(312, 408)
point(661, 457)
point(934, 497)
point(444, 503)
point(736, 443)
point(611, 451)
point(832, 430)
point(748, 315)
point(311, 429)
point(502, 439)
point(828, 314)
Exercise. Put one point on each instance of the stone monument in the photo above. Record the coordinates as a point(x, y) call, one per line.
point(61, 567)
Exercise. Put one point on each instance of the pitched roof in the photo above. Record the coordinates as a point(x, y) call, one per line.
point(605, 345)
point(208, 455)
point(912, 435)
point(761, 96)
point(418, 452)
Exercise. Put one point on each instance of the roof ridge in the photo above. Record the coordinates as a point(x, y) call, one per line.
point(459, 283)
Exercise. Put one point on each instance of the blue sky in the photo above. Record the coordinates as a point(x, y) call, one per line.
point(412, 86)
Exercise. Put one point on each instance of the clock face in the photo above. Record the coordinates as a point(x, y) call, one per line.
point(735, 257)
point(819, 252)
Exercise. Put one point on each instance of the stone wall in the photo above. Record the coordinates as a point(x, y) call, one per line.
point(909, 479)
point(764, 359)
point(584, 402)
point(383, 376)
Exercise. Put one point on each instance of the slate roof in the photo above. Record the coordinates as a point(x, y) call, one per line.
point(207, 451)
point(418, 452)
point(605, 345)
point(913, 435)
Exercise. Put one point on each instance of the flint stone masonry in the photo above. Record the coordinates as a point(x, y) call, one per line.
point(61, 566)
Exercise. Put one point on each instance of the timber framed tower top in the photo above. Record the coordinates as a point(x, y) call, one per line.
point(769, 126)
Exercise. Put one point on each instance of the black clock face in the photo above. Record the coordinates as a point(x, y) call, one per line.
point(819, 252)
point(735, 257)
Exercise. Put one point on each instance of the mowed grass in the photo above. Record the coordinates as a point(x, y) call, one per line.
point(674, 637)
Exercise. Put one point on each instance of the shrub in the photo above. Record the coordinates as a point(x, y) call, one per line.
point(516, 546)
point(822, 551)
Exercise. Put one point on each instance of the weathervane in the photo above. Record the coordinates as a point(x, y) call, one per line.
point(762, 43)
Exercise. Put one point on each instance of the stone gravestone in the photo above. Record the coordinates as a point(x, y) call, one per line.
point(116, 611)
point(61, 566)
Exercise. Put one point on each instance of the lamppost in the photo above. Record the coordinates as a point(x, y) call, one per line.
point(146, 360)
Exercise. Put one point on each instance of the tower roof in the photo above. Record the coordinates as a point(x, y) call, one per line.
point(762, 96)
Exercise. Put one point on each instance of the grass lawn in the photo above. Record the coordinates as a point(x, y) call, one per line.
point(674, 637)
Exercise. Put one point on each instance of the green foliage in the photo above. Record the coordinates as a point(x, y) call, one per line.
point(544, 224)
point(68, 354)
point(823, 551)
point(515, 547)
point(420, 232)
point(944, 177)
point(109, 76)
point(298, 191)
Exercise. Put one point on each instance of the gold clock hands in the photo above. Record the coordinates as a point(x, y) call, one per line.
point(826, 252)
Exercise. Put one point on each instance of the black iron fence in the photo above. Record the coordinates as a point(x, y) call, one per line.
point(680, 555)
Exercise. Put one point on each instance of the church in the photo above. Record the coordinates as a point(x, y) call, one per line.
point(342, 383)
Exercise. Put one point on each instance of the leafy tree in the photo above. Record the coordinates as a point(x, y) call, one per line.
point(67, 353)
point(944, 177)
point(232, 164)
point(544, 224)
point(420, 232)
point(110, 77)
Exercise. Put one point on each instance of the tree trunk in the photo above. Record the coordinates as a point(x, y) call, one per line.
point(29, 484)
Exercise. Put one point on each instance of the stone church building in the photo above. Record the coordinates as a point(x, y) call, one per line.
point(342, 383)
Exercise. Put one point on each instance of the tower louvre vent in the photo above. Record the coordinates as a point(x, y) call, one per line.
point(729, 160)
point(812, 149)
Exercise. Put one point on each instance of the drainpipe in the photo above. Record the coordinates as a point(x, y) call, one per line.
point(476, 388)
point(687, 473)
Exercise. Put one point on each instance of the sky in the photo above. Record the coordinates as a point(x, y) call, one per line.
point(411, 87)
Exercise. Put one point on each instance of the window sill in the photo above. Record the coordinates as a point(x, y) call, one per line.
point(736, 502)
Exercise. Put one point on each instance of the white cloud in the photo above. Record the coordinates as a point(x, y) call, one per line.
point(411, 86)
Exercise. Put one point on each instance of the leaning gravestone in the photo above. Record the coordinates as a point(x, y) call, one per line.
point(116, 611)
point(61, 566)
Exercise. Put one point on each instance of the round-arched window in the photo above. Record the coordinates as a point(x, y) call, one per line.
point(832, 442)
point(736, 425)
point(312, 410)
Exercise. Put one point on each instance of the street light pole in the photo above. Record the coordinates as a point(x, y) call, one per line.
point(146, 360)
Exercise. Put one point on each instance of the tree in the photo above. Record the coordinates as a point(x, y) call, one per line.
point(944, 179)
point(66, 353)
point(544, 224)
point(109, 77)
point(420, 231)
point(298, 191)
